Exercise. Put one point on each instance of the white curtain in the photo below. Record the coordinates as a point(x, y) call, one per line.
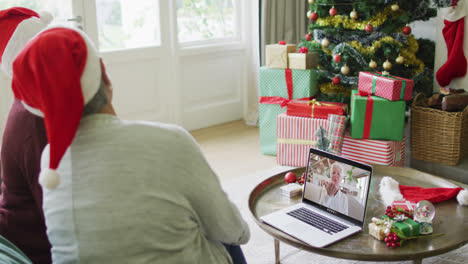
point(276, 20)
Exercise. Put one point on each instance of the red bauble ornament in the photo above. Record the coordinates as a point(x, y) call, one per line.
point(336, 80)
point(308, 36)
point(337, 58)
point(303, 50)
point(313, 16)
point(282, 42)
point(333, 11)
point(290, 177)
point(407, 30)
point(369, 28)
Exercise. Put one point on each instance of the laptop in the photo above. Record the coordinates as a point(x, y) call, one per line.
point(333, 204)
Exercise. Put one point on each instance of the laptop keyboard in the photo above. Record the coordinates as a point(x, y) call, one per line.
point(323, 223)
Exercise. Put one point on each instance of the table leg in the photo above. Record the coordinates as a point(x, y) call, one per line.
point(417, 261)
point(277, 252)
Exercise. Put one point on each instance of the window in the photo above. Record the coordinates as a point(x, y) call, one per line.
point(60, 9)
point(126, 24)
point(202, 20)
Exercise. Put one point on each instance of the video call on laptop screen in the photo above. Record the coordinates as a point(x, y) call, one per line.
point(339, 186)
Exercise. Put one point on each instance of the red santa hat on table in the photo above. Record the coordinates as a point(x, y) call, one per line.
point(17, 26)
point(391, 190)
point(57, 73)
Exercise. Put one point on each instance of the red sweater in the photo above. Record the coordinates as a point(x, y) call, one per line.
point(21, 215)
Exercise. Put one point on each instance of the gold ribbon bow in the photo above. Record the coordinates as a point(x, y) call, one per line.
point(314, 102)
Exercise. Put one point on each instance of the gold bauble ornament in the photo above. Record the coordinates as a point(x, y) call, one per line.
point(325, 42)
point(395, 7)
point(387, 65)
point(400, 59)
point(345, 69)
point(353, 14)
point(373, 64)
point(311, 1)
point(309, 13)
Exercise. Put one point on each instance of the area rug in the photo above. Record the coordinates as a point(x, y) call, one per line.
point(260, 248)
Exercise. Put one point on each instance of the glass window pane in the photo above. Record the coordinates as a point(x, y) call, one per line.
point(60, 9)
point(126, 24)
point(205, 19)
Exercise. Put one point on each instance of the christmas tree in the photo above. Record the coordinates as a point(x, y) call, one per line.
point(368, 35)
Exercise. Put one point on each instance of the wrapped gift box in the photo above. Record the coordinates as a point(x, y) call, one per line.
point(374, 117)
point(387, 86)
point(405, 205)
point(315, 109)
point(377, 231)
point(390, 153)
point(276, 88)
point(303, 61)
point(296, 136)
point(277, 55)
point(409, 227)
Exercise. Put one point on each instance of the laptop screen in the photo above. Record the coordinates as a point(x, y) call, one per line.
point(337, 184)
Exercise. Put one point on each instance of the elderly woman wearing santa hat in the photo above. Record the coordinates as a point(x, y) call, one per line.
point(24, 138)
point(118, 191)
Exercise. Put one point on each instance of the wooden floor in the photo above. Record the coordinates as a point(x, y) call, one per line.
point(233, 149)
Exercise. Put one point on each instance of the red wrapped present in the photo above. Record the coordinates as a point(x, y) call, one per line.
point(315, 109)
point(387, 86)
point(405, 205)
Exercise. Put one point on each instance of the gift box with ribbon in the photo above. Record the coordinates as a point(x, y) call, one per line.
point(405, 205)
point(276, 55)
point(276, 88)
point(315, 109)
point(297, 134)
point(387, 86)
point(408, 226)
point(373, 117)
point(303, 59)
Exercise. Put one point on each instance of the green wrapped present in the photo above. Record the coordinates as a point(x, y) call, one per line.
point(276, 88)
point(409, 227)
point(373, 117)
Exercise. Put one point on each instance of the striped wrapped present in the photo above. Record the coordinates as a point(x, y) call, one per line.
point(391, 153)
point(295, 135)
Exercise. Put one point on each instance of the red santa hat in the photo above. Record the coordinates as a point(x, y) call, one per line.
point(56, 74)
point(17, 26)
point(391, 190)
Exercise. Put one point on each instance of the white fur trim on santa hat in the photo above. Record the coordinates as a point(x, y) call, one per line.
point(453, 13)
point(462, 197)
point(24, 32)
point(49, 178)
point(390, 190)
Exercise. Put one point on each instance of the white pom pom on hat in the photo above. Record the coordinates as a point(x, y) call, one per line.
point(462, 197)
point(49, 178)
point(18, 25)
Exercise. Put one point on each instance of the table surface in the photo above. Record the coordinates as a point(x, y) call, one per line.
point(451, 219)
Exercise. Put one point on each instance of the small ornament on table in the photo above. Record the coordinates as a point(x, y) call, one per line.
point(369, 28)
point(407, 30)
point(424, 213)
point(290, 177)
point(325, 42)
point(353, 14)
point(373, 64)
point(333, 11)
point(387, 65)
point(345, 69)
point(292, 188)
point(395, 7)
point(336, 80)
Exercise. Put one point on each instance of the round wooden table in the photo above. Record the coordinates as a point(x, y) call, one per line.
point(451, 220)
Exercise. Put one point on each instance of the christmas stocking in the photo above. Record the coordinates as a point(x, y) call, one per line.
point(454, 33)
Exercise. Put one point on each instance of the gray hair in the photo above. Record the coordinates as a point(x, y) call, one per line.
point(98, 101)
